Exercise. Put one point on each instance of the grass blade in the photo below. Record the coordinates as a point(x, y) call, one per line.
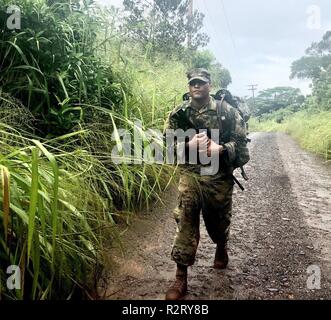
point(6, 198)
point(33, 198)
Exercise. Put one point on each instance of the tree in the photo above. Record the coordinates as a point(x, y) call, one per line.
point(273, 99)
point(221, 76)
point(322, 91)
point(202, 59)
point(316, 60)
point(316, 65)
point(163, 25)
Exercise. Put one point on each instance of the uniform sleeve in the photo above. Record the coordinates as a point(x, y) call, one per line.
point(237, 145)
point(172, 144)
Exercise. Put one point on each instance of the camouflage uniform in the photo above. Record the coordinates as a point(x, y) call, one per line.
point(210, 194)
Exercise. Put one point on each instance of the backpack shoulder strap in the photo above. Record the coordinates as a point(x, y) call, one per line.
point(220, 113)
point(225, 118)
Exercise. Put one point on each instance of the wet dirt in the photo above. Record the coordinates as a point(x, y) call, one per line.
point(280, 236)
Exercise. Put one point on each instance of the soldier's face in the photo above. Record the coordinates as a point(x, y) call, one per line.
point(199, 89)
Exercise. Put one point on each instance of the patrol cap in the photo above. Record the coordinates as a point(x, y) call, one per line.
point(198, 74)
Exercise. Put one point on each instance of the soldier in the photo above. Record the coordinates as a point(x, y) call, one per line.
point(210, 194)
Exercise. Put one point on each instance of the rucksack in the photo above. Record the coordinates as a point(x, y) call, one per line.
point(235, 102)
point(242, 154)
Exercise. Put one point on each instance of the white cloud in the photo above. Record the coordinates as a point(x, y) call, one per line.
point(267, 72)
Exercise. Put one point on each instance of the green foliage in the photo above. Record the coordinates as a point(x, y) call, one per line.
point(310, 67)
point(52, 220)
point(163, 26)
point(273, 99)
point(311, 130)
point(65, 196)
point(321, 98)
point(54, 71)
point(316, 66)
point(309, 123)
point(221, 77)
point(202, 59)
point(65, 93)
point(316, 61)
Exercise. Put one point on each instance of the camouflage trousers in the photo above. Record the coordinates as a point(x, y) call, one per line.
point(213, 197)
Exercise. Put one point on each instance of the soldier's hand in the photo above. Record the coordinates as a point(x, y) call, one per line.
point(214, 148)
point(203, 141)
point(199, 141)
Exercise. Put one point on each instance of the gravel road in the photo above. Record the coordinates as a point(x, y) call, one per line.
point(280, 237)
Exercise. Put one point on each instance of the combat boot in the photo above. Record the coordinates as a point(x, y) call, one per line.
point(221, 257)
point(178, 289)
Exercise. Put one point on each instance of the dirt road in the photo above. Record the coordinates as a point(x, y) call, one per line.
point(281, 228)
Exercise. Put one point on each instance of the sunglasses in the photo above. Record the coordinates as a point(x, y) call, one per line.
point(197, 82)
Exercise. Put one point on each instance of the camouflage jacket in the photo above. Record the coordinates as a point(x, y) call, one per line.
point(232, 129)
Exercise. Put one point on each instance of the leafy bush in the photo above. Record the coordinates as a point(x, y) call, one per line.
point(52, 65)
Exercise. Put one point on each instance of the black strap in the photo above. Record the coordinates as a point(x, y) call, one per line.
point(219, 109)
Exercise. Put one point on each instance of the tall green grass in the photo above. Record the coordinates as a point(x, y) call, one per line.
point(62, 74)
point(311, 130)
point(52, 64)
point(53, 222)
point(65, 92)
point(62, 197)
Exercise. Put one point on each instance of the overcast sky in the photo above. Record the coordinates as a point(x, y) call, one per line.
point(257, 40)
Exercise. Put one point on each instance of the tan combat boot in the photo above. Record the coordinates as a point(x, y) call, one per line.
point(178, 289)
point(221, 257)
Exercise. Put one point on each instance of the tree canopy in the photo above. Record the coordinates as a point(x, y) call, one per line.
point(163, 25)
point(316, 66)
point(316, 60)
point(221, 76)
point(273, 99)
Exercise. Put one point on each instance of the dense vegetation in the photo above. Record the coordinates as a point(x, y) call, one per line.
point(70, 79)
point(308, 119)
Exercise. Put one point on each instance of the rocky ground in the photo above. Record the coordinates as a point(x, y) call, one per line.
point(280, 238)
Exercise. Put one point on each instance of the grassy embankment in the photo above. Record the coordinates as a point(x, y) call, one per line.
point(65, 91)
point(311, 130)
